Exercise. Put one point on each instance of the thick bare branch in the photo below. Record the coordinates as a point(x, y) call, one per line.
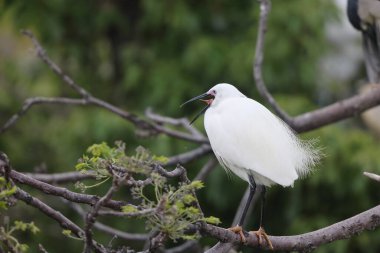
point(340, 110)
point(311, 120)
point(63, 192)
point(64, 222)
point(368, 220)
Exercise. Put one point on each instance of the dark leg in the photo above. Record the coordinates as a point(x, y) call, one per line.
point(238, 229)
point(260, 234)
point(252, 189)
point(263, 198)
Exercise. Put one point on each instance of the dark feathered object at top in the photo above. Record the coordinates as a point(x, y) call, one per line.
point(364, 15)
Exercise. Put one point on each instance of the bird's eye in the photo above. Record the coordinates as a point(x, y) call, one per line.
point(213, 92)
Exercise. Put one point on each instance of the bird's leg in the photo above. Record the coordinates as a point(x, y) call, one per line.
point(238, 228)
point(260, 234)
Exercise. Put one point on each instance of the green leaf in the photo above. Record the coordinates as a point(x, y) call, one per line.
point(23, 247)
point(212, 220)
point(190, 237)
point(129, 209)
point(161, 159)
point(67, 232)
point(188, 199)
point(3, 205)
point(197, 184)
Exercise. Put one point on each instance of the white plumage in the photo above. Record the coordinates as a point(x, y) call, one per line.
point(250, 140)
point(254, 144)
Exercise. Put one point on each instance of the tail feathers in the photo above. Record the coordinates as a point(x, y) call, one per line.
point(310, 156)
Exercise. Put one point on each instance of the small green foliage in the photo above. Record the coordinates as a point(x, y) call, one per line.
point(6, 190)
point(161, 159)
point(173, 207)
point(22, 226)
point(212, 220)
point(197, 184)
point(100, 158)
point(10, 242)
point(190, 237)
point(129, 209)
point(188, 199)
point(67, 232)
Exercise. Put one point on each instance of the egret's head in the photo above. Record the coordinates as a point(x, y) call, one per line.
point(215, 95)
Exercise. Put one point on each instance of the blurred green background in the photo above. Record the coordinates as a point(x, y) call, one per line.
point(138, 54)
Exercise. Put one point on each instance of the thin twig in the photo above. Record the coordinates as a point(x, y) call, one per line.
point(107, 229)
point(189, 246)
point(60, 178)
point(89, 99)
point(28, 103)
point(372, 176)
point(206, 169)
point(184, 122)
point(42, 249)
point(91, 215)
point(265, 6)
point(190, 155)
point(120, 234)
point(127, 215)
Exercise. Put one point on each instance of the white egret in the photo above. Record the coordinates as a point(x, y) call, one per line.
point(253, 143)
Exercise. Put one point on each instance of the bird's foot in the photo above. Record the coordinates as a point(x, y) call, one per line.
point(239, 230)
point(260, 234)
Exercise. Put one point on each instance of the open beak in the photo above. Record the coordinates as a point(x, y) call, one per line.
point(207, 101)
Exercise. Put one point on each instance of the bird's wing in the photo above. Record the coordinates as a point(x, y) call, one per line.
point(247, 135)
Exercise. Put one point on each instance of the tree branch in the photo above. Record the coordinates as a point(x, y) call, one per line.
point(368, 220)
point(63, 192)
point(28, 103)
point(265, 6)
point(206, 169)
point(60, 178)
point(91, 215)
point(64, 222)
point(107, 229)
point(223, 247)
point(311, 120)
point(190, 155)
point(89, 99)
point(340, 110)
